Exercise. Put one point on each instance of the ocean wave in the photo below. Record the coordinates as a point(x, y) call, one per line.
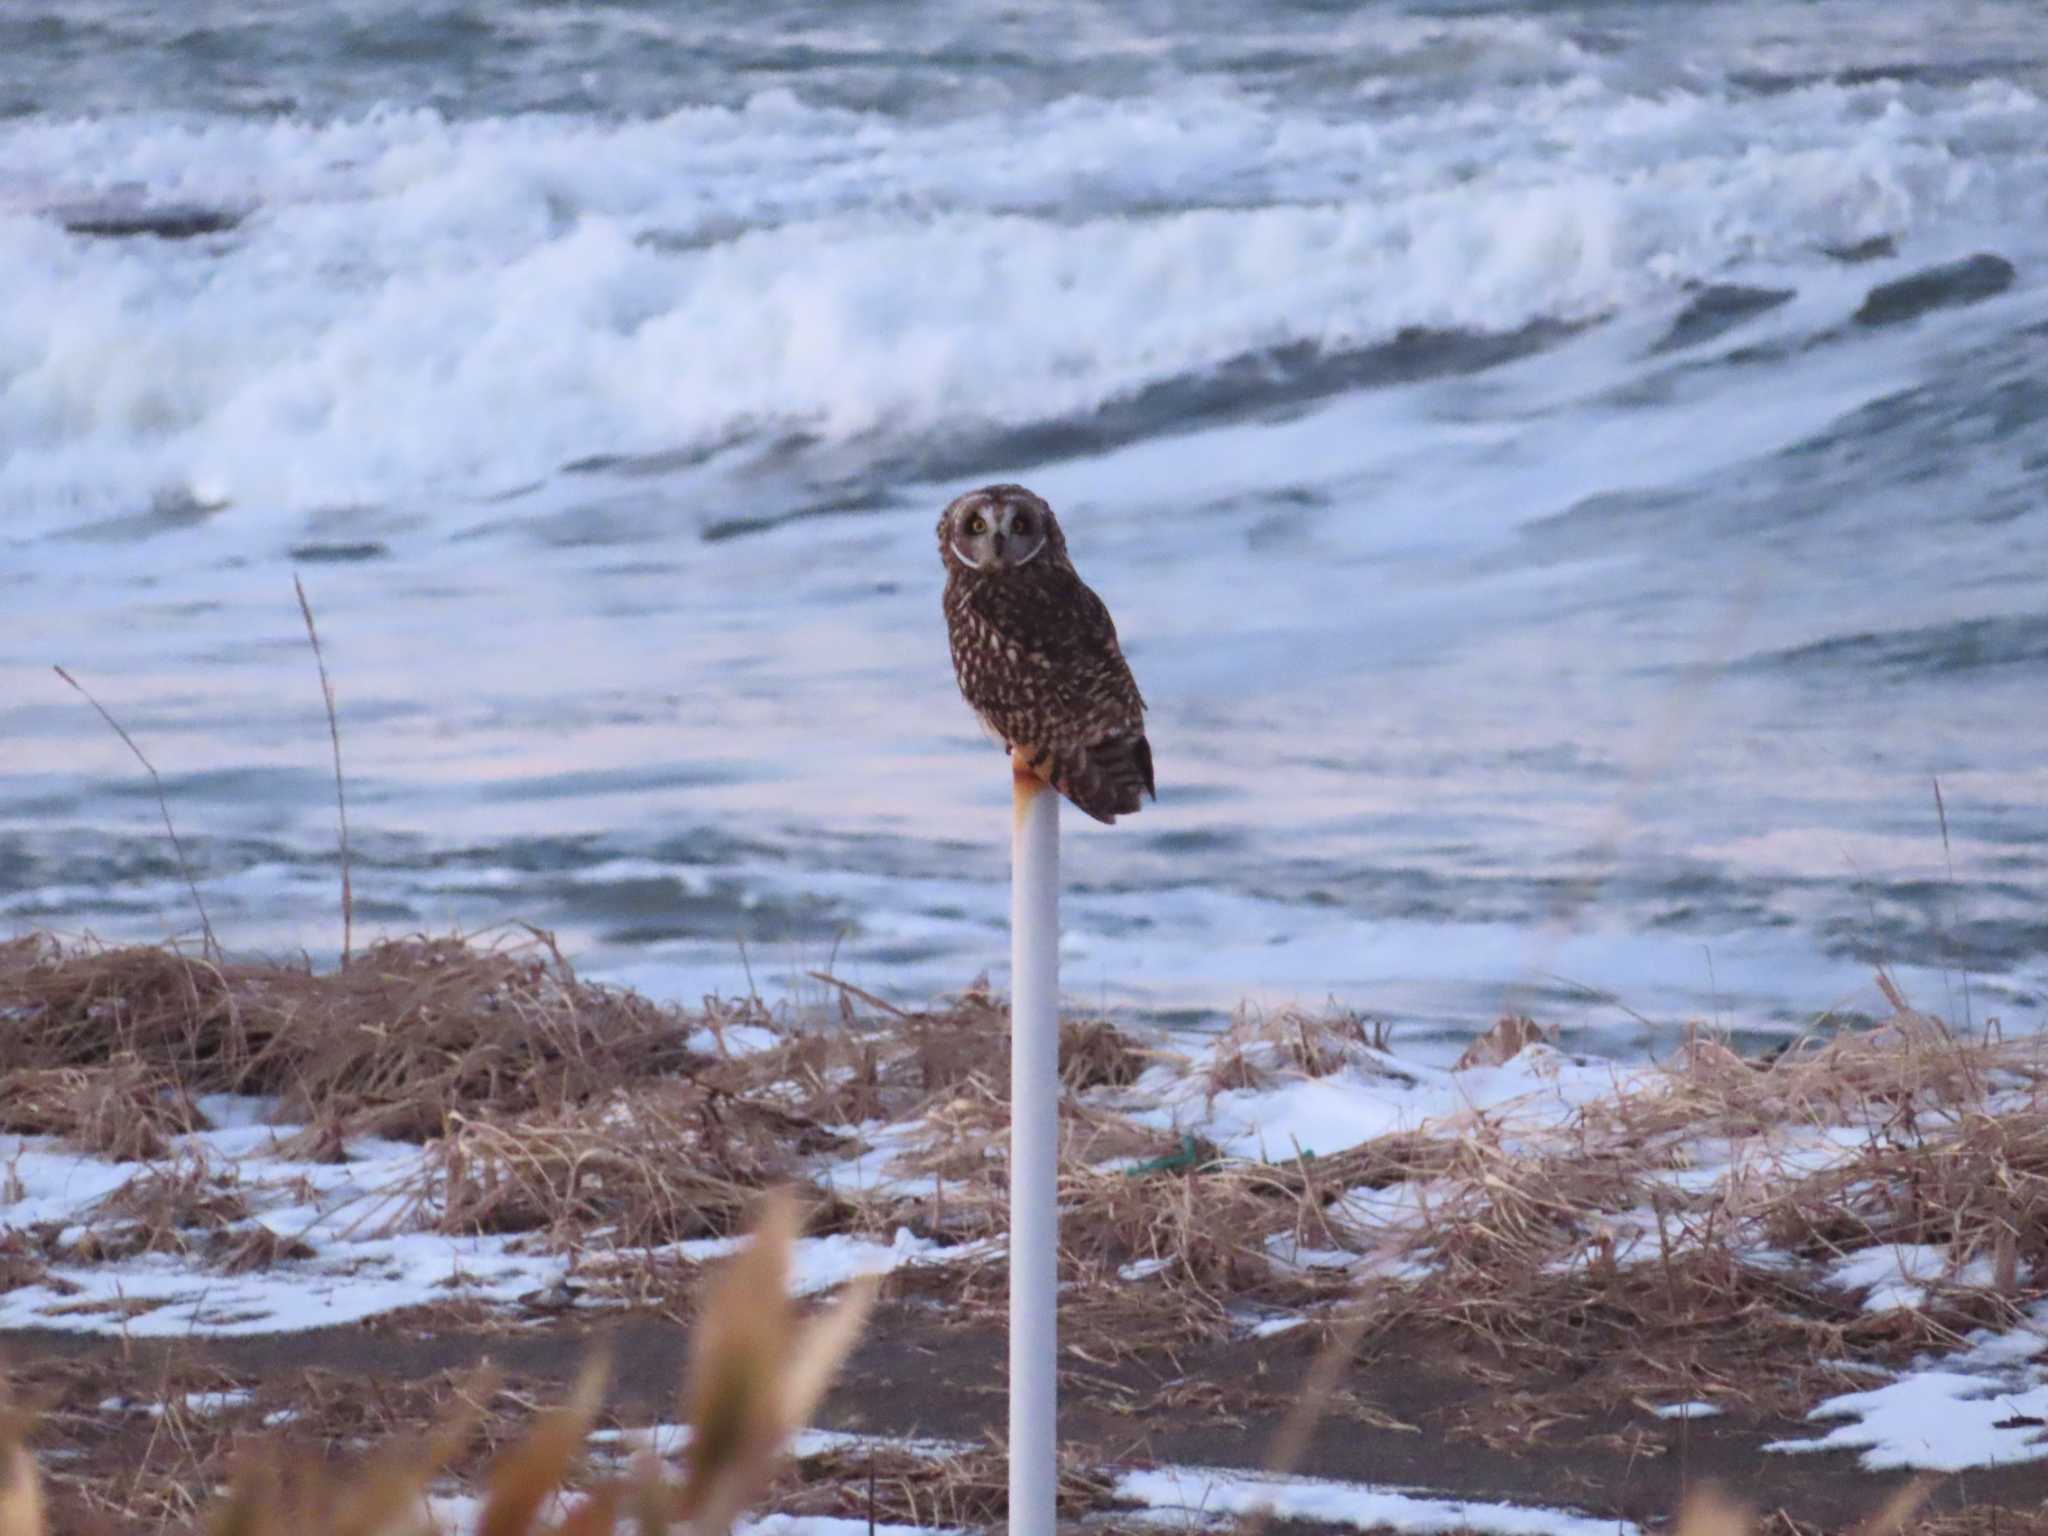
point(414, 309)
point(1948, 286)
point(1919, 653)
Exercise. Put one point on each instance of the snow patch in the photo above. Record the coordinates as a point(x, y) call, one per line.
point(1204, 1496)
point(1692, 1410)
point(1984, 1406)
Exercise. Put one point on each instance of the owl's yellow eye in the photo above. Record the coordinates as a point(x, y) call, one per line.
point(1020, 524)
point(977, 524)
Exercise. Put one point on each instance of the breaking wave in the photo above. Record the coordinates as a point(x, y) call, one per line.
point(400, 307)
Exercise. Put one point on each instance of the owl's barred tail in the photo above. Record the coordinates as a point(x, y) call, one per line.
point(1107, 778)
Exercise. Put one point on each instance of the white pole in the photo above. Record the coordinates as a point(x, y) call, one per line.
point(1034, 1155)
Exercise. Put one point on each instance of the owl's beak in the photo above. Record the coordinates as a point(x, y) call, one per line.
point(997, 540)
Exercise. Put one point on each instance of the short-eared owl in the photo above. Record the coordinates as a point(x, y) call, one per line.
point(1036, 654)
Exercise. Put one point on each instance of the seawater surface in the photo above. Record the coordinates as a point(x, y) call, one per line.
point(1570, 480)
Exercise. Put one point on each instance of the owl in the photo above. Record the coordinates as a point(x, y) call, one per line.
point(1035, 652)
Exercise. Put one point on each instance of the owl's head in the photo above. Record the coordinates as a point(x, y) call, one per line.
point(999, 528)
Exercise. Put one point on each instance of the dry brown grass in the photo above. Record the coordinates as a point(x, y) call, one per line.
point(169, 1207)
point(609, 1127)
point(1149, 1258)
point(413, 1028)
point(1260, 1048)
point(158, 1462)
point(1585, 1255)
point(960, 1490)
point(657, 1163)
point(868, 1060)
point(594, 1119)
point(757, 1372)
point(121, 1108)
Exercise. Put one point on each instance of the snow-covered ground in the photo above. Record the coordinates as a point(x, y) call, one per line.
point(367, 1224)
point(137, 1249)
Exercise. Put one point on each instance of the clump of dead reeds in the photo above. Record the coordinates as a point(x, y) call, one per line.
point(875, 1061)
point(120, 1108)
point(1977, 1185)
point(955, 1490)
point(411, 1029)
point(653, 1164)
point(179, 1205)
point(1260, 1048)
point(1157, 1260)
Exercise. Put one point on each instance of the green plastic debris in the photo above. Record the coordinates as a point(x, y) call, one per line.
point(1187, 1155)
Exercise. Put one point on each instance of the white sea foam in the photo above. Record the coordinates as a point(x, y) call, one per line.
point(416, 306)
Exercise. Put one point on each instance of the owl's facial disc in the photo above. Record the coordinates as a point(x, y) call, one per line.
point(974, 543)
point(997, 529)
point(1021, 535)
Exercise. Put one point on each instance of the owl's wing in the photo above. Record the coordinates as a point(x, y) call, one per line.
point(1065, 638)
point(1058, 690)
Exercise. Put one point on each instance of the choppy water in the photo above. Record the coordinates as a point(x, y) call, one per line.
point(1570, 478)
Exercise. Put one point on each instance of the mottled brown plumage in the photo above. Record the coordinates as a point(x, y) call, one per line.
point(1036, 655)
